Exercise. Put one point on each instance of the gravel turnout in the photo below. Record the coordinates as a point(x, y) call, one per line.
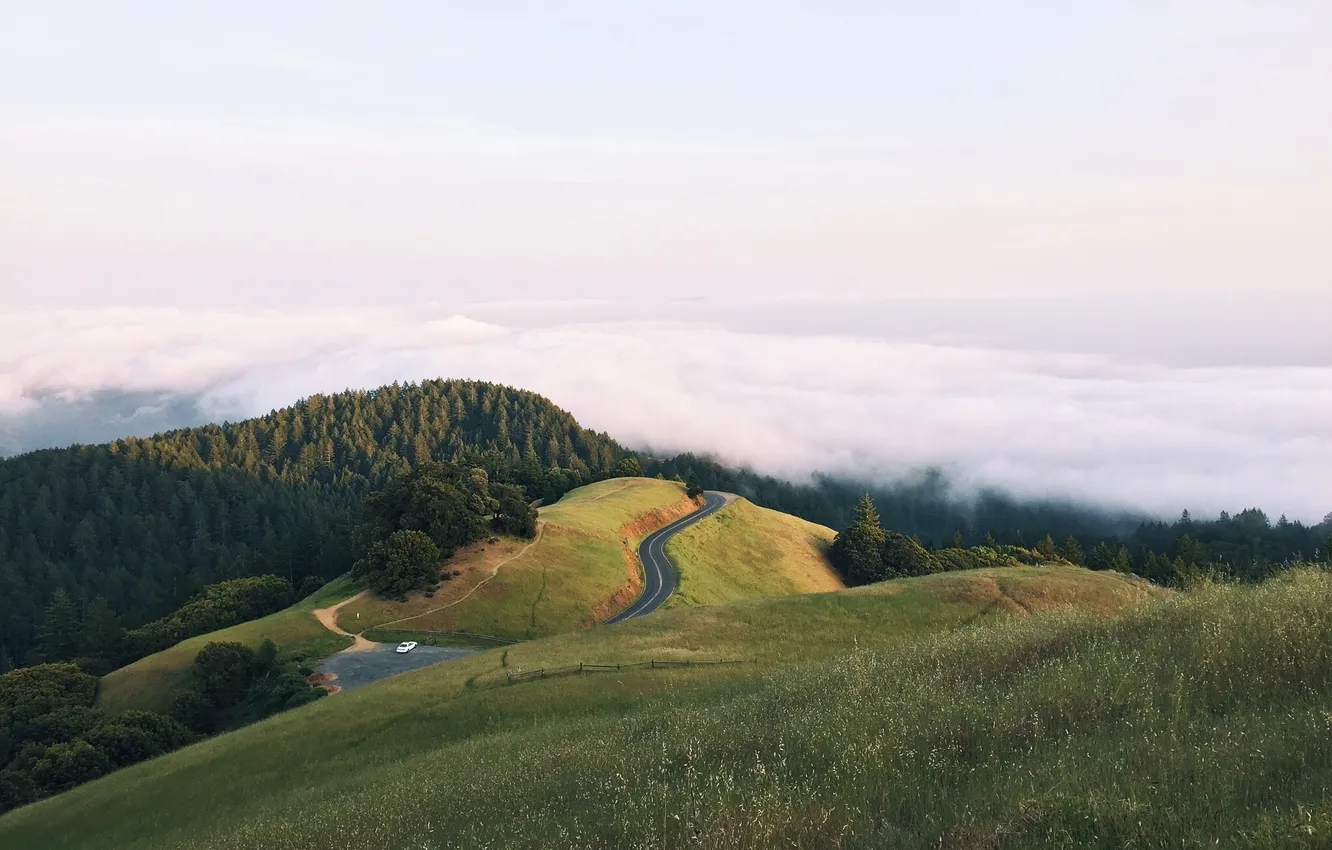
point(354, 669)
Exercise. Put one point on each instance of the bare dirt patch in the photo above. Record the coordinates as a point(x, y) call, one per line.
point(328, 618)
point(541, 528)
point(325, 681)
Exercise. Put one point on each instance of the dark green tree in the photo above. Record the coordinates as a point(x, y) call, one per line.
point(1101, 557)
point(1047, 549)
point(446, 503)
point(60, 638)
point(29, 692)
point(694, 488)
point(513, 514)
point(406, 561)
point(224, 670)
point(903, 556)
point(102, 634)
point(628, 467)
point(857, 552)
point(69, 764)
point(1071, 550)
point(123, 745)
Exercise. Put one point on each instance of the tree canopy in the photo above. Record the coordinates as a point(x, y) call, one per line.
point(147, 523)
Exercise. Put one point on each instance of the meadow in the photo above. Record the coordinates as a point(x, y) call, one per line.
point(580, 570)
point(150, 682)
point(921, 712)
point(747, 552)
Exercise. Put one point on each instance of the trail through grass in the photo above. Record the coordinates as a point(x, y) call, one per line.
point(150, 682)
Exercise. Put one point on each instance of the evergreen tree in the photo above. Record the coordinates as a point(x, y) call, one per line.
point(1047, 549)
point(102, 634)
point(629, 468)
point(694, 488)
point(1071, 550)
point(903, 557)
point(60, 636)
point(857, 552)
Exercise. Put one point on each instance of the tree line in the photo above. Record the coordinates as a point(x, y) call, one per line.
point(1247, 548)
point(53, 737)
point(145, 524)
point(422, 517)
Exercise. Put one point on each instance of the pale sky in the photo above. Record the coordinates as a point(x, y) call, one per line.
point(284, 155)
point(720, 227)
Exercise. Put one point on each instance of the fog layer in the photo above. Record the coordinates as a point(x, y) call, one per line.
point(1120, 421)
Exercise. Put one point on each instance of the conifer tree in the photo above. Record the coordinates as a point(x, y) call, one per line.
point(693, 489)
point(1071, 550)
point(102, 634)
point(1047, 549)
point(59, 640)
point(857, 552)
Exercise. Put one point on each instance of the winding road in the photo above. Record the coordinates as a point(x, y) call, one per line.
point(659, 577)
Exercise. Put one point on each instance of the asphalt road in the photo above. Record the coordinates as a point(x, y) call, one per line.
point(354, 669)
point(659, 577)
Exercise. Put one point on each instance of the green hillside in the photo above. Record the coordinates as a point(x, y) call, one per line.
point(747, 552)
point(146, 523)
point(581, 568)
point(883, 699)
point(150, 682)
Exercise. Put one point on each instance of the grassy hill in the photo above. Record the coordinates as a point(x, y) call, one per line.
point(747, 552)
point(870, 716)
point(578, 571)
point(150, 682)
point(581, 568)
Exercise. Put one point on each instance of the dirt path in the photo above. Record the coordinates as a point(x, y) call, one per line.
point(541, 529)
point(328, 618)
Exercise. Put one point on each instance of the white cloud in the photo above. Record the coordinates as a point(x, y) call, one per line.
point(1092, 426)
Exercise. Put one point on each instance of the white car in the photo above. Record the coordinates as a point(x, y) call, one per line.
point(406, 646)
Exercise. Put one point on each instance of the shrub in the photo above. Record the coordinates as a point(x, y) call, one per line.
point(69, 764)
point(406, 561)
point(29, 692)
point(903, 556)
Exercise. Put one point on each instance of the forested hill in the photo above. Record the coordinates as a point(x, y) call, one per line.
point(146, 523)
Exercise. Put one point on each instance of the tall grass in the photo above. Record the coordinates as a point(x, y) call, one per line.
point(1202, 720)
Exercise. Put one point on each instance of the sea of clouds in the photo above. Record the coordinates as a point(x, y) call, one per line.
point(1141, 422)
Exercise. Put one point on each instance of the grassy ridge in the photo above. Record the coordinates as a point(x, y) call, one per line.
point(571, 578)
point(792, 746)
point(747, 552)
point(150, 682)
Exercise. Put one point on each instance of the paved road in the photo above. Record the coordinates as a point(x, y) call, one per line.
point(658, 572)
point(354, 669)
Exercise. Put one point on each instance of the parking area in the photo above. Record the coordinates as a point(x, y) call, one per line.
point(354, 669)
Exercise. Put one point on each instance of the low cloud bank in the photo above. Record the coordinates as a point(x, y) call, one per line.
point(1096, 427)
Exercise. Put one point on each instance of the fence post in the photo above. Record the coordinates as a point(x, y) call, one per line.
point(580, 666)
point(653, 664)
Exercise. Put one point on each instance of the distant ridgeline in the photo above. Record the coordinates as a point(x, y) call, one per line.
point(132, 529)
point(147, 523)
point(1247, 546)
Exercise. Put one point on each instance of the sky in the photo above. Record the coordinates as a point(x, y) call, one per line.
point(1073, 249)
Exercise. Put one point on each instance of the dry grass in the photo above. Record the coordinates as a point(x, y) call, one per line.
point(747, 552)
point(872, 718)
point(564, 582)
